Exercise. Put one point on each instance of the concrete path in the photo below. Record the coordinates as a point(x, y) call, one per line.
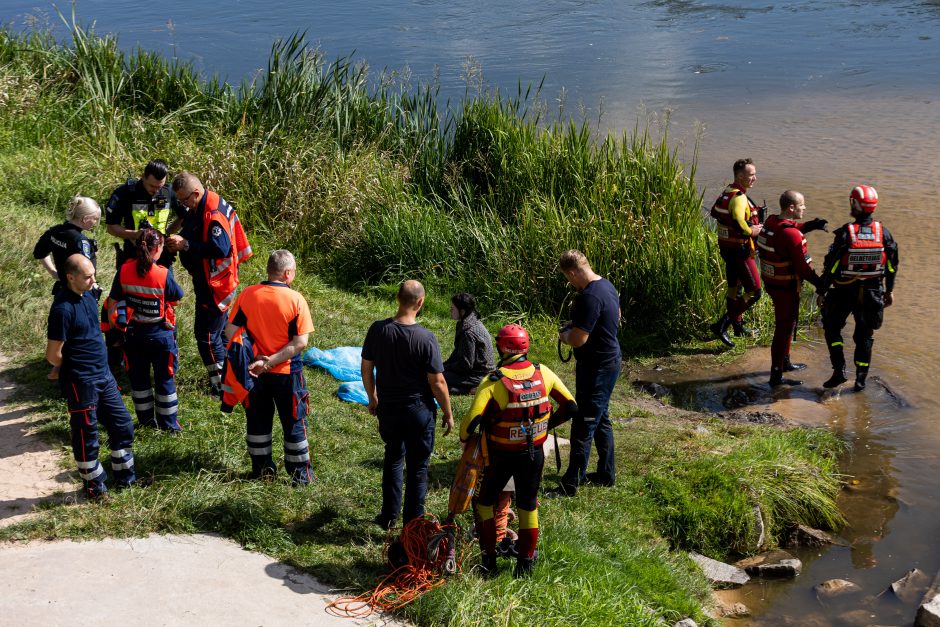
point(159, 580)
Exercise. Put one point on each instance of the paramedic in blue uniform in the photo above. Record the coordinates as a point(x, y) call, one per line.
point(75, 344)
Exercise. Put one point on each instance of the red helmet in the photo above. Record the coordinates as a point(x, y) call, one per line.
point(512, 340)
point(864, 198)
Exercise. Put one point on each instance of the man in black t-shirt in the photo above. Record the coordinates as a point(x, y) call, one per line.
point(408, 377)
point(76, 346)
point(147, 199)
point(592, 332)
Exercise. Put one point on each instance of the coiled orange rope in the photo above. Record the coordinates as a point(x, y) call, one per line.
point(427, 544)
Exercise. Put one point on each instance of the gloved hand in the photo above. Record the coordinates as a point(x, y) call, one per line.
point(815, 224)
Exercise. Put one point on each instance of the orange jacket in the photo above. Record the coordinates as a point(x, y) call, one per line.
point(222, 274)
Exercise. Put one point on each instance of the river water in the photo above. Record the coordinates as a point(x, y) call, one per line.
point(822, 94)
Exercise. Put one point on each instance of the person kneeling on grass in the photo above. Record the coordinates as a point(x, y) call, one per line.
point(513, 408)
point(472, 358)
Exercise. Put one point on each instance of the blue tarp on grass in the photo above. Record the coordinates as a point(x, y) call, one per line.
point(344, 364)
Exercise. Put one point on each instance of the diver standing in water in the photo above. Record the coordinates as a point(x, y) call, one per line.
point(860, 271)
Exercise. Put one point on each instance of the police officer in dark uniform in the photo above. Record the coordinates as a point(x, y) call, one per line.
point(61, 241)
point(860, 270)
point(148, 200)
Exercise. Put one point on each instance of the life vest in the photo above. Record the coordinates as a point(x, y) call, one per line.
point(865, 257)
point(145, 299)
point(222, 274)
point(155, 210)
point(729, 235)
point(776, 269)
point(524, 420)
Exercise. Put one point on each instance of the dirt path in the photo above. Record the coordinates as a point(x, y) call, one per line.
point(30, 469)
point(158, 580)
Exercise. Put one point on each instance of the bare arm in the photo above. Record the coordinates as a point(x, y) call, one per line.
point(264, 363)
point(46, 263)
point(54, 352)
point(368, 382)
point(574, 337)
point(439, 389)
point(118, 230)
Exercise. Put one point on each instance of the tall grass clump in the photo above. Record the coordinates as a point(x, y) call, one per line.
point(370, 180)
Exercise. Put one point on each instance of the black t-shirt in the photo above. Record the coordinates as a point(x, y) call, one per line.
point(62, 241)
point(596, 310)
point(131, 203)
point(404, 356)
point(73, 319)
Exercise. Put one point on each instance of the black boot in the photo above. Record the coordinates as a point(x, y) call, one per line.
point(860, 375)
point(776, 378)
point(720, 330)
point(523, 567)
point(838, 377)
point(488, 565)
point(789, 366)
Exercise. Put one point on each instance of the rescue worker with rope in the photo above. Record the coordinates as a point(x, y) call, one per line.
point(277, 320)
point(738, 225)
point(62, 241)
point(784, 264)
point(143, 296)
point(513, 409)
point(861, 267)
point(212, 244)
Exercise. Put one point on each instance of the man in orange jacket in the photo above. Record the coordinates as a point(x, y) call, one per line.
point(211, 244)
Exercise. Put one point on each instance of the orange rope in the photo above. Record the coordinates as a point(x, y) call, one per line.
point(422, 573)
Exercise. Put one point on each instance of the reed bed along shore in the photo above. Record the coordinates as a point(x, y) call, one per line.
point(372, 180)
point(368, 182)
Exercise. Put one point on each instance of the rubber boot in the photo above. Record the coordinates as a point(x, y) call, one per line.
point(720, 330)
point(488, 565)
point(523, 567)
point(838, 377)
point(776, 378)
point(789, 366)
point(860, 375)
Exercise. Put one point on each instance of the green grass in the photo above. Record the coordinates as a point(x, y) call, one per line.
point(367, 187)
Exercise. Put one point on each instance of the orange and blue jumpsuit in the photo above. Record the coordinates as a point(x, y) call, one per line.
point(514, 410)
point(272, 314)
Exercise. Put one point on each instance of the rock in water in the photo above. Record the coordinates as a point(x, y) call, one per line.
point(834, 588)
point(720, 575)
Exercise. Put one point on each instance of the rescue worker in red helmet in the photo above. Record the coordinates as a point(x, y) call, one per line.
point(513, 408)
point(143, 296)
point(738, 220)
point(861, 267)
point(784, 265)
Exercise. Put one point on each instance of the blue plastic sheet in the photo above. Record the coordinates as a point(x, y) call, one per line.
point(343, 362)
point(353, 392)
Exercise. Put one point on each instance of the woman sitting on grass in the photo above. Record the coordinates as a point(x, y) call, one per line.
point(472, 358)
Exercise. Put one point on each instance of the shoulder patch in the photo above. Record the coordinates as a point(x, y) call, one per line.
point(86, 248)
point(217, 231)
